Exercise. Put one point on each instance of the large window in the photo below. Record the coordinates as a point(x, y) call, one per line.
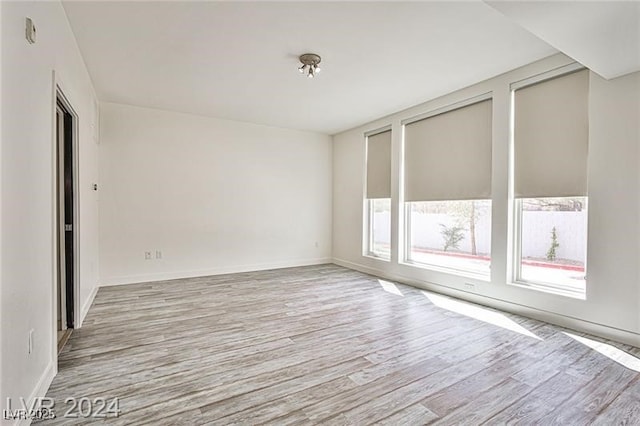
point(447, 159)
point(379, 244)
point(550, 181)
point(553, 241)
point(378, 195)
point(451, 234)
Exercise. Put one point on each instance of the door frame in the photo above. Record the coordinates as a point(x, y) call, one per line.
point(60, 208)
point(59, 95)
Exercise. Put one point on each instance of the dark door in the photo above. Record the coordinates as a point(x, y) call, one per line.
point(65, 197)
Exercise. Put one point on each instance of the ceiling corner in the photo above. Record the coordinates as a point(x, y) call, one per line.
point(602, 35)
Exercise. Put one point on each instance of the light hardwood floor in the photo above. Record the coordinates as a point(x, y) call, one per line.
point(329, 345)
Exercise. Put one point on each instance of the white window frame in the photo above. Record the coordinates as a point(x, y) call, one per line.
point(516, 231)
point(517, 260)
point(367, 210)
point(406, 229)
point(369, 243)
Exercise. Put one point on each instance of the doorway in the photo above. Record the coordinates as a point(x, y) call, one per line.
point(66, 221)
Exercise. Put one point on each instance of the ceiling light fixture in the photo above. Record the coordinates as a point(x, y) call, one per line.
point(310, 63)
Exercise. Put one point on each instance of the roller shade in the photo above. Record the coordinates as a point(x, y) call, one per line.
point(448, 156)
point(551, 137)
point(379, 165)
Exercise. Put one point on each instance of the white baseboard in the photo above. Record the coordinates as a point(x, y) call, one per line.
point(87, 305)
point(616, 334)
point(134, 279)
point(40, 390)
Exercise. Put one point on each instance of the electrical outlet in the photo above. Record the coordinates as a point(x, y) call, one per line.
point(147, 255)
point(31, 340)
point(470, 286)
point(158, 254)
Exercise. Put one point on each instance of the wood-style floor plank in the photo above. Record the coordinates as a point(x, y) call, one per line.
point(328, 345)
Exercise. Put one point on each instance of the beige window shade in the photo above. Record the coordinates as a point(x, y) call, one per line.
point(551, 137)
point(448, 156)
point(379, 165)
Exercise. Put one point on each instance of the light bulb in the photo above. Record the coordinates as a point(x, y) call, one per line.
point(310, 75)
point(316, 68)
point(301, 69)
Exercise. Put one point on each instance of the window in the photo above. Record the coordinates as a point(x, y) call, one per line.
point(553, 241)
point(550, 181)
point(451, 234)
point(378, 195)
point(379, 244)
point(447, 159)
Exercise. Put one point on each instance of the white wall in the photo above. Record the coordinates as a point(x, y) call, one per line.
point(212, 195)
point(613, 289)
point(27, 192)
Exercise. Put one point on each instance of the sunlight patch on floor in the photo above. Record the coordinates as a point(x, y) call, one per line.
point(610, 351)
point(390, 287)
point(477, 312)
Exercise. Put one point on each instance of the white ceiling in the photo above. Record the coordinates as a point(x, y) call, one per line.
point(602, 35)
point(238, 60)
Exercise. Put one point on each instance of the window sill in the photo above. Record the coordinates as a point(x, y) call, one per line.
point(549, 289)
point(450, 271)
point(374, 257)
